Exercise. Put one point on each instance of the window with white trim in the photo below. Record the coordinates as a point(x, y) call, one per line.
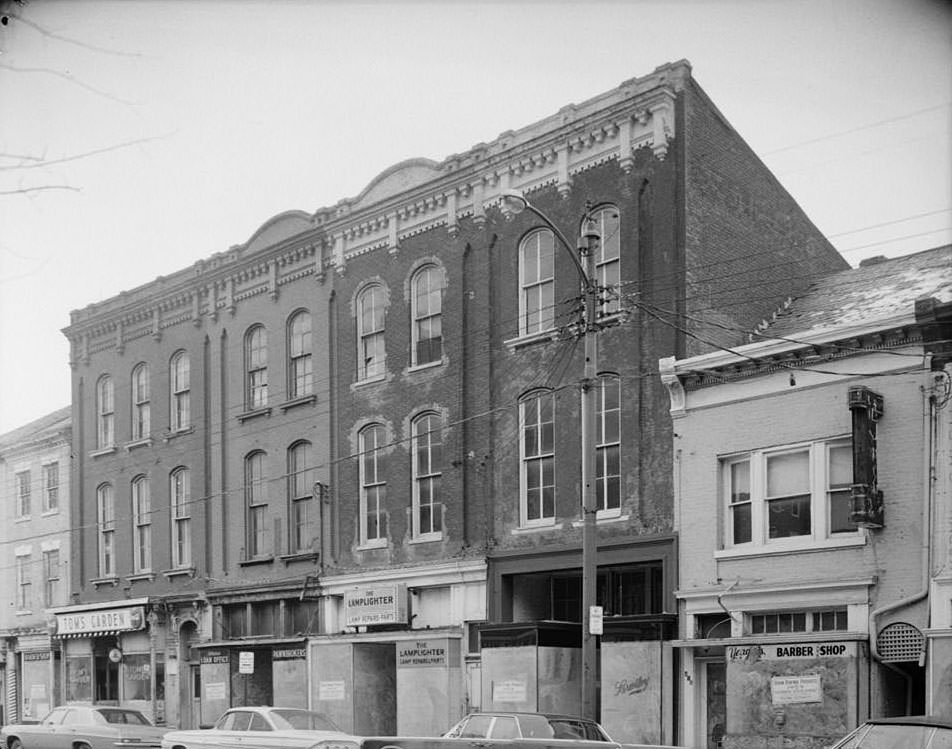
point(427, 449)
point(780, 622)
point(371, 316)
point(141, 406)
point(256, 506)
point(256, 368)
point(608, 258)
point(106, 530)
point(141, 525)
point(300, 497)
point(608, 445)
point(51, 577)
point(373, 485)
point(23, 488)
point(536, 282)
point(24, 583)
point(180, 495)
point(537, 456)
point(51, 482)
point(300, 362)
point(180, 392)
point(426, 308)
point(105, 413)
point(788, 496)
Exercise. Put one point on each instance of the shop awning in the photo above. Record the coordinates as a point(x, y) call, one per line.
point(94, 633)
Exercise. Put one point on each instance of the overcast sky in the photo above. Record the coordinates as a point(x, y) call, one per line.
point(139, 136)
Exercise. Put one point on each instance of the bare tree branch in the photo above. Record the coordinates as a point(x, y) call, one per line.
point(68, 40)
point(67, 77)
point(84, 155)
point(24, 190)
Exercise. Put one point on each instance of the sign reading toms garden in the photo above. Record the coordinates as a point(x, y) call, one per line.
point(381, 604)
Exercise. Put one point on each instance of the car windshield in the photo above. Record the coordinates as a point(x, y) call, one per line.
point(301, 720)
point(126, 717)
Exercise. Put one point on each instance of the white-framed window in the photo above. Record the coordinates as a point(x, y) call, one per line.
point(51, 577)
point(141, 407)
point(427, 448)
point(536, 282)
point(371, 320)
point(537, 456)
point(141, 525)
point(373, 486)
point(180, 392)
point(300, 497)
point(256, 367)
point(51, 484)
point(256, 505)
point(24, 489)
point(106, 529)
point(781, 622)
point(608, 445)
point(300, 362)
point(426, 308)
point(105, 413)
point(24, 583)
point(788, 496)
point(608, 258)
point(180, 499)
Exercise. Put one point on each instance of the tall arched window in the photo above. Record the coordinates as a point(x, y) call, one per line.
point(608, 258)
point(141, 407)
point(300, 365)
point(373, 485)
point(106, 530)
point(105, 413)
point(180, 493)
point(179, 392)
point(536, 282)
point(256, 506)
point(427, 447)
point(426, 308)
point(300, 497)
point(537, 453)
point(608, 444)
point(141, 525)
point(371, 314)
point(256, 367)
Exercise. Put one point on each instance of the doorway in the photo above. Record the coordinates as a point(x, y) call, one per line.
point(712, 712)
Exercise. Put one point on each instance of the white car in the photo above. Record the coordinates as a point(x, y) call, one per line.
point(264, 728)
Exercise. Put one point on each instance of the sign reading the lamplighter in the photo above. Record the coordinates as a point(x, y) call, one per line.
point(422, 653)
point(382, 604)
point(87, 622)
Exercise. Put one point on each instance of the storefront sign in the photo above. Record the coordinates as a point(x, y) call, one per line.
point(214, 656)
point(89, 622)
point(215, 690)
point(246, 662)
point(795, 650)
point(509, 691)
point(796, 690)
point(422, 653)
point(288, 654)
point(382, 604)
point(44, 656)
point(330, 690)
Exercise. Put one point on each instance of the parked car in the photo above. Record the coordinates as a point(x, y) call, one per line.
point(84, 727)
point(910, 732)
point(264, 728)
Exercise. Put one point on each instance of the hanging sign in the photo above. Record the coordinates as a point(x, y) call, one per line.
point(381, 604)
point(246, 662)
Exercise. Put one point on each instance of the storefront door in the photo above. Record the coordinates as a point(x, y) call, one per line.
point(193, 714)
point(712, 717)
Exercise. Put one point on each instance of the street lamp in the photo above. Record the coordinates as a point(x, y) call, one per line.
point(516, 203)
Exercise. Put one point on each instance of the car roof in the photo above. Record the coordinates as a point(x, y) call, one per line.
point(913, 720)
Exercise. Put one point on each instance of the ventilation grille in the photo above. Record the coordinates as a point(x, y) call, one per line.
point(899, 642)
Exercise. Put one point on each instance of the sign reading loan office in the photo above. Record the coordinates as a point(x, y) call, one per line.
point(381, 604)
point(88, 622)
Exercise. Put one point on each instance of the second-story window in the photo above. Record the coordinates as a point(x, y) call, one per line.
point(141, 525)
point(180, 392)
point(371, 351)
point(536, 282)
point(300, 365)
point(51, 577)
point(300, 497)
point(256, 367)
point(180, 491)
point(51, 481)
point(426, 307)
point(23, 487)
point(256, 506)
point(537, 448)
point(373, 485)
point(106, 530)
point(24, 583)
point(608, 258)
point(140, 403)
point(105, 413)
point(608, 444)
point(427, 475)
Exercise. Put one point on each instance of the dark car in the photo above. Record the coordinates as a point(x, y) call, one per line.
point(84, 727)
point(910, 732)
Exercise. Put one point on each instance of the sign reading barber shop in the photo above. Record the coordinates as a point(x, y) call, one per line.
point(791, 651)
point(381, 604)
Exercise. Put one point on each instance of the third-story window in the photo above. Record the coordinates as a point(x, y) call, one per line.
point(371, 351)
point(373, 486)
point(180, 390)
point(180, 493)
point(51, 482)
point(23, 486)
point(537, 448)
point(106, 529)
point(51, 577)
point(300, 365)
point(300, 497)
point(427, 476)
point(608, 258)
point(256, 367)
point(140, 403)
point(608, 444)
point(141, 525)
point(24, 583)
point(536, 282)
point(105, 413)
point(256, 506)
point(427, 308)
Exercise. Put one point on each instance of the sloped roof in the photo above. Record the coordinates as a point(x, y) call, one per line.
point(38, 429)
point(865, 295)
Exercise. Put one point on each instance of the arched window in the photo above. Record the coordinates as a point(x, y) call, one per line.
point(300, 497)
point(427, 450)
point(256, 506)
point(141, 525)
point(141, 408)
point(105, 413)
point(371, 351)
point(373, 486)
point(179, 392)
point(106, 530)
point(180, 494)
point(536, 282)
point(426, 308)
point(537, 453)
point(608, 444)
point(608, 258)
point(256, 367)
point(300, 365)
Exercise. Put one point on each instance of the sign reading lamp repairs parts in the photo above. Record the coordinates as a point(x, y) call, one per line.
point(382, 604)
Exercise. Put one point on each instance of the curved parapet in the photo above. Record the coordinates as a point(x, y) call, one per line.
point(277, 228)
